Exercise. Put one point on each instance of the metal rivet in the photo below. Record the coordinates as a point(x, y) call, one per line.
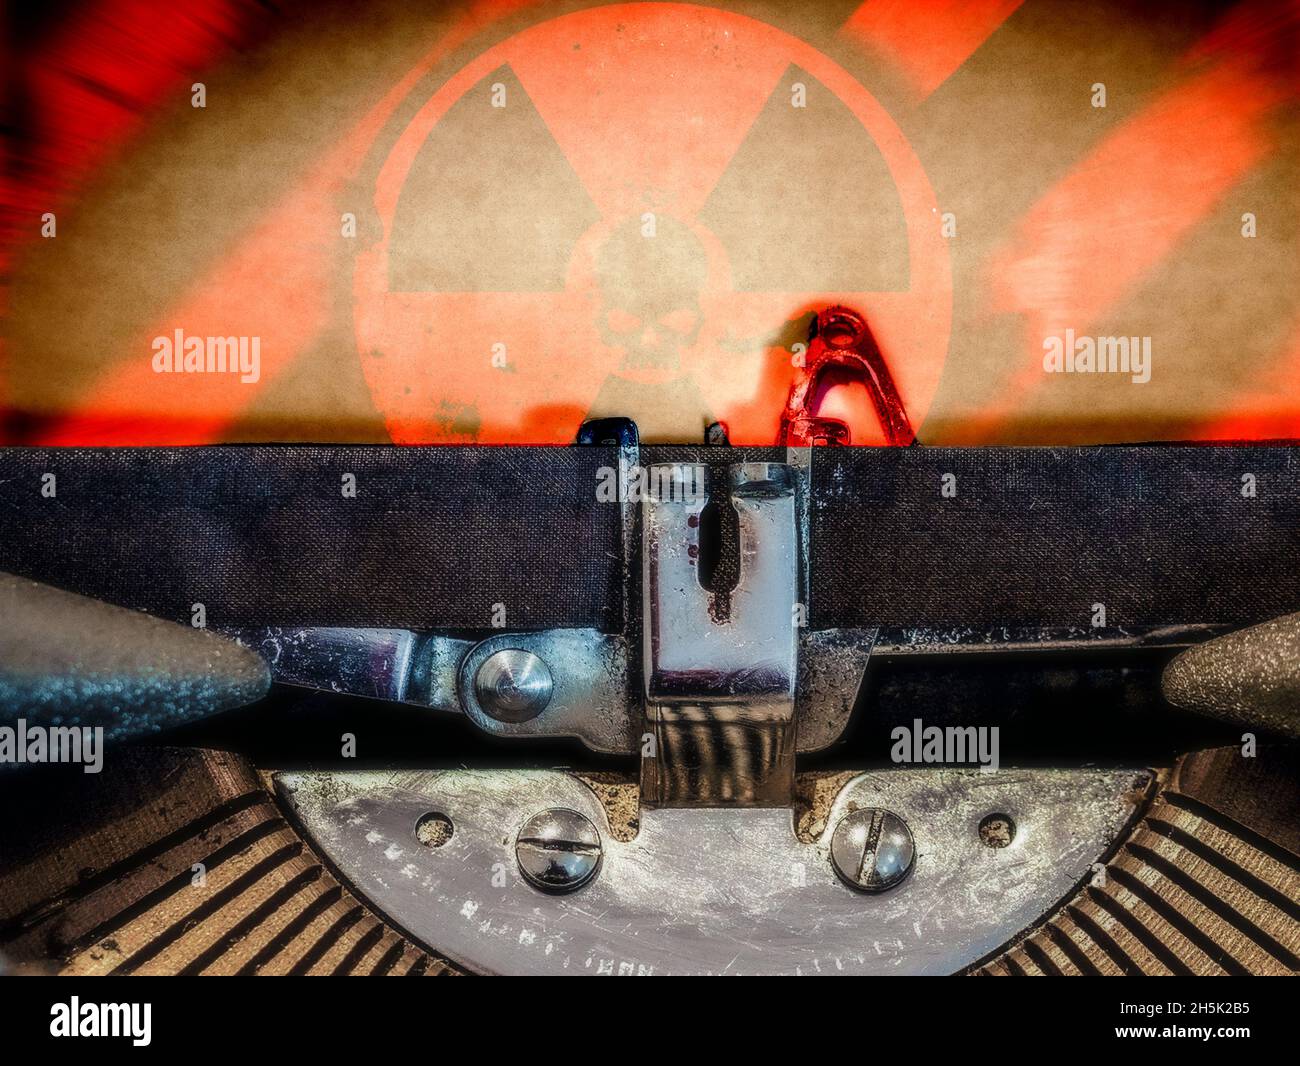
point(513, 685)
point(558, 850)
point(872, 849)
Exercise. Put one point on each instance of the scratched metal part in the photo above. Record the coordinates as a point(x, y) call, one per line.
point(589, 699)
point(707, 891)
point(832, 663)
point(895, 641)
point(385, 664)
point(1250, 678)
point(70, 661)
point(593, 699)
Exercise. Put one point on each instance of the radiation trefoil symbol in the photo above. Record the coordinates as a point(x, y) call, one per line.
point(628, 211)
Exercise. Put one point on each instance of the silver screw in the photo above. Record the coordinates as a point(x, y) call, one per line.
point(513, 685)
point(872, 849)
point(558, 850)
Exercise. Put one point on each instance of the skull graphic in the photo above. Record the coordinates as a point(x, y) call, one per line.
point(650, 282)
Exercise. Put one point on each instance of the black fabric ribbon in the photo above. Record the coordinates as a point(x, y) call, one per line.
point(471, 537)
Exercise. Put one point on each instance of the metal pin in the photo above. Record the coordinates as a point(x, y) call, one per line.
point(513, 685)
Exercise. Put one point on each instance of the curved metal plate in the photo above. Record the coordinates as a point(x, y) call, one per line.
point(711, 891)
point(590, 701)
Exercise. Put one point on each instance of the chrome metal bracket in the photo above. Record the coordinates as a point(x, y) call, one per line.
point(719, 692)
point(725, 702)
point(913, 871)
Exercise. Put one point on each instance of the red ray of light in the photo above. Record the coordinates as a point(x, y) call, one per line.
point(637, 137)
point(276, 285)
point(1122, 210)
point(926, 40)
